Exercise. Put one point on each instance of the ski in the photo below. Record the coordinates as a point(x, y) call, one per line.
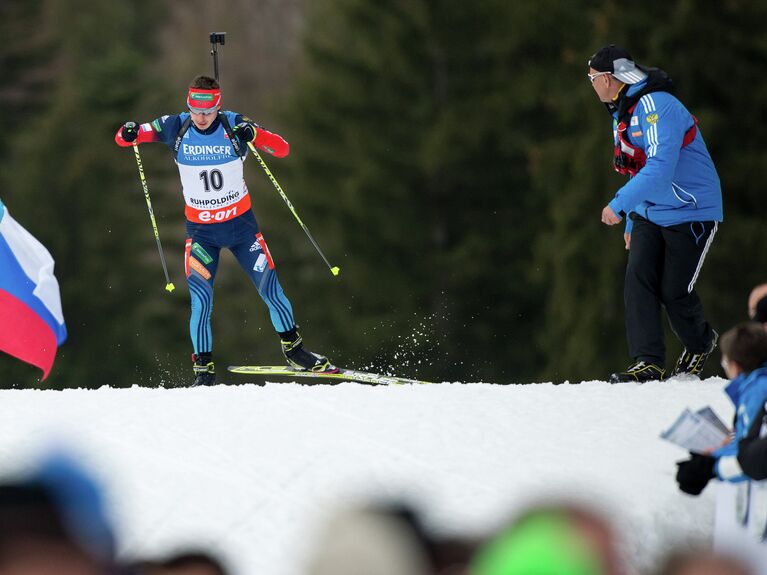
point(334, 377)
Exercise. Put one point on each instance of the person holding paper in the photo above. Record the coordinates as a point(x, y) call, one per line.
point(741, 516)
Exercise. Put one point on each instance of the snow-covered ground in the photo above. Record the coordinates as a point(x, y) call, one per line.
point(253, 471)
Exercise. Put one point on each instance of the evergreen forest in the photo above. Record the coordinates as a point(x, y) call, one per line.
point(450, 157)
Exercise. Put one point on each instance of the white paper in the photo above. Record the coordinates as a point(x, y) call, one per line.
point(697, 432)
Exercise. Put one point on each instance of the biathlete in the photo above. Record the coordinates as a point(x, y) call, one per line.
point(210, 147)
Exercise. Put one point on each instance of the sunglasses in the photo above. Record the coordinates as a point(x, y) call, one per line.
point(593, 77)
point(203, 111)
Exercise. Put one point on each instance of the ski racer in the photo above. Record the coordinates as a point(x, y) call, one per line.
point(210, 146)
point(672, 204)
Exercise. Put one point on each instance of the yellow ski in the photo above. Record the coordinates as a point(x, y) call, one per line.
point(334, 377)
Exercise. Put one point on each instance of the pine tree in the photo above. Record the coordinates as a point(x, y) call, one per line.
point(73, 188)
point(416, 120)
point(582, 333)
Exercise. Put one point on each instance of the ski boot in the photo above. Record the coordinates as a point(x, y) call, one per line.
point(692, 363)
point(204, 370)
point(299, 358)
point(640, 371)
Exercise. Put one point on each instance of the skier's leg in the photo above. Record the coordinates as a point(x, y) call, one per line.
point(200, 265)
point(255, 259)
point(642, 294)
point(686, 246)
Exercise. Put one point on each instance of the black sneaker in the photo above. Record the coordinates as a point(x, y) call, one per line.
point(204, 370)
point(301, 359)
point(692, 363)
point(640, 371)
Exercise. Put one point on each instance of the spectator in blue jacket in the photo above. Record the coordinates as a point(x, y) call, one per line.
point(741, 515)
point(672, 204)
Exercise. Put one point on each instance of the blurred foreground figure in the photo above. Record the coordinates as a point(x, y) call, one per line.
point(186, 563)
point(368, 542)
point(701, 562)
point(557, 540)
point(52, 523)
point(385, 540)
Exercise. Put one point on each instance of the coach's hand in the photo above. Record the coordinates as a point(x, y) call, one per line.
point(609, 217)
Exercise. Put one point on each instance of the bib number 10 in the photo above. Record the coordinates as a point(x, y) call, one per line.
point(214, 179)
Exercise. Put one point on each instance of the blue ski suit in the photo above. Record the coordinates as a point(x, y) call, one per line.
point(218, 216)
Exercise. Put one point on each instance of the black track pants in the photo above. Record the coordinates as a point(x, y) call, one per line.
point(663, 266)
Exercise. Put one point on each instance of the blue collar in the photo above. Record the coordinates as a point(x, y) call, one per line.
point(634, 88)
point(737, 386)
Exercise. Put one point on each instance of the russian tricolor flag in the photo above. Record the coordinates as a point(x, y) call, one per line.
point(31, 321)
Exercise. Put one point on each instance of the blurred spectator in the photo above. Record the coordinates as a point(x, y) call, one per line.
point(185, 563)
point(741, 517)
point(552, 540)
point(757, 304)
point(385, 540)
point(138, 567)
point(368, 542)
point(52, 523)
point(701, 562)
point(447, 556)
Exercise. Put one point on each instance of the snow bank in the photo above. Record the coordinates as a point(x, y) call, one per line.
point(253, 471)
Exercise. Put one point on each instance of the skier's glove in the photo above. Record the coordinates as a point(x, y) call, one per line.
point(694, 474)
point(129, 131)
point(245, 132)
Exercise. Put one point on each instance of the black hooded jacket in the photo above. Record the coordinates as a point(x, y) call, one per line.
point(657, 81)
point(752, 449)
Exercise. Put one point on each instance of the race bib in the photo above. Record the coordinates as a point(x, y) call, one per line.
point(214, 193)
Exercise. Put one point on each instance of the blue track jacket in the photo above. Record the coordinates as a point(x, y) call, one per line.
point(676, 185)
point(748, 393)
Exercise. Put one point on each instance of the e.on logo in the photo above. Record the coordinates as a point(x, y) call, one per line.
point(218, 216)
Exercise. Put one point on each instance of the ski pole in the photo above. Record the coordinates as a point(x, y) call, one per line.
point(335, 270)
point(168, 284)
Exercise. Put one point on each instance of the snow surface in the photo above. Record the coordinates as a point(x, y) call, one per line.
point(253, 471)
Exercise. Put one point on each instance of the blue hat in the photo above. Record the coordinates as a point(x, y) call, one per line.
point(59, 500)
